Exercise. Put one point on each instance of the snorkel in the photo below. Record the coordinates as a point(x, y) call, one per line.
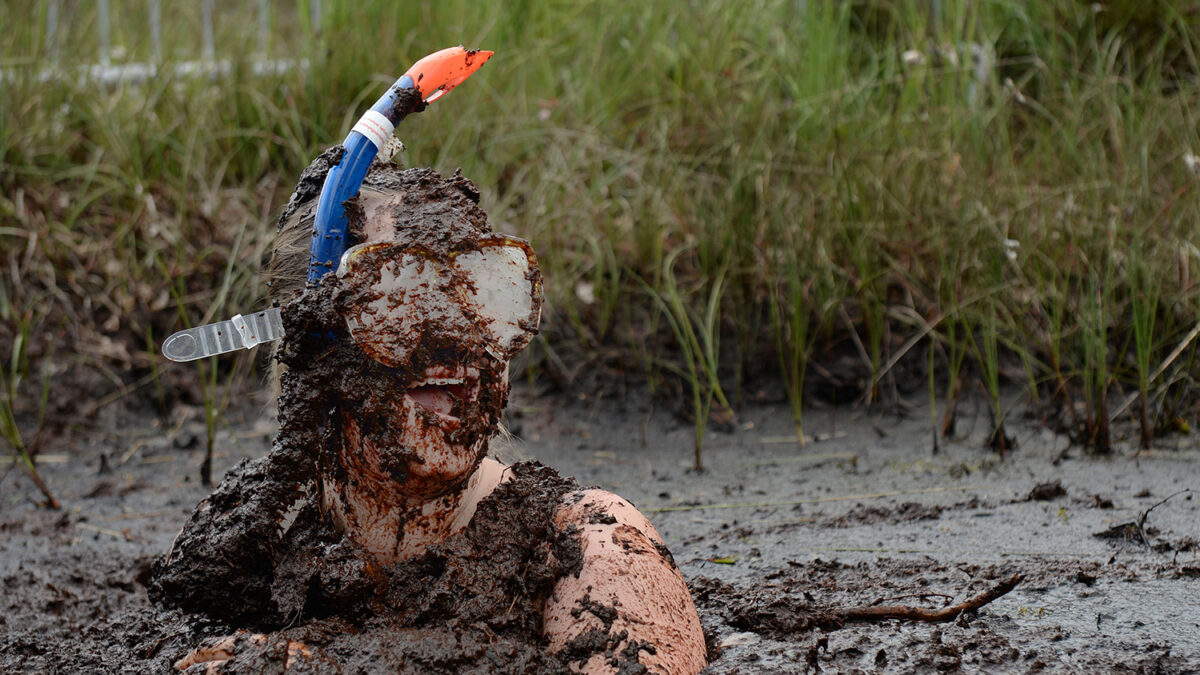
point(429, 79)
point(432, 77)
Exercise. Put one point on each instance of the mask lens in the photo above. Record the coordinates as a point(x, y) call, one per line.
point(377, 321)
point(504, 291)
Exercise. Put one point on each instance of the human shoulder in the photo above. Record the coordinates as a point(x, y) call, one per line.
point(594, 511)
point(628, 603)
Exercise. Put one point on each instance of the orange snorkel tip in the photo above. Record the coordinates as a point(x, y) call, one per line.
point(436, 74)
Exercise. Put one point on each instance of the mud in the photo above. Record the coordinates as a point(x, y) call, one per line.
point(312, 179)
point(774, 539)
point(871, 515)
point(408, 101)
point(75, 597)
point(427, 210)
point(472, 604)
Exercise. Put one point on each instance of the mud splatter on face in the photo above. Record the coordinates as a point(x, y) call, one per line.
point(421, 382)
point(414, 433)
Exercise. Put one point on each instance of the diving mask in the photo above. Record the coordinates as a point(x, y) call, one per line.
point(496, 284)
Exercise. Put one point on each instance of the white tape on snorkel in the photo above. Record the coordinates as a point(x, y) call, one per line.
point(376, 127)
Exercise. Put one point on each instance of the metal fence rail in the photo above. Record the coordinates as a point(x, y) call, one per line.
point(208, 65)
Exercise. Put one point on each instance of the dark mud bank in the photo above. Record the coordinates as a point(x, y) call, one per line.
point(769, 535)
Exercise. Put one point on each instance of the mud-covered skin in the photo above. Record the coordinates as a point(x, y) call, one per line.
point(401, 469)
point(629, 609)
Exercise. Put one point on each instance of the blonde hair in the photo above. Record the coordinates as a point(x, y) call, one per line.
point(287, 271)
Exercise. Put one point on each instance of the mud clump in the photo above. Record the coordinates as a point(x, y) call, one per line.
point(232, 535)
point(870, 515)
point(312, 179)
point(470, 604)
point(1046, 492)
point(771, 611)
point(428, 210)
point(222, 564)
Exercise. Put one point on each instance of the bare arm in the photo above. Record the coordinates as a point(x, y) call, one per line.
point(629, 601)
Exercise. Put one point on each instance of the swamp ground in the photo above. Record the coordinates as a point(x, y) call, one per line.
point(864, 514)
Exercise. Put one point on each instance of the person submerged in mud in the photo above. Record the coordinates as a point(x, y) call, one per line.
point(378, 534)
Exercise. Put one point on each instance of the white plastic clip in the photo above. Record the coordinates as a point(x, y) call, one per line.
point(249, 339)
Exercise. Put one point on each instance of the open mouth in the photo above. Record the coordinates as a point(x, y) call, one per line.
point(443, 388)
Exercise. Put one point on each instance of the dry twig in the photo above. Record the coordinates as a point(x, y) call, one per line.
point(943, 615)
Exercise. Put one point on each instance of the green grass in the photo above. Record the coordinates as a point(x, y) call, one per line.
point(22, 439)
point(739, 186)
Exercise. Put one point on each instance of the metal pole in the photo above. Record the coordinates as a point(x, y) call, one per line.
point(156, 29)
point(206, 19)
point(52, 30)
point(104, 30)
point(264, 26)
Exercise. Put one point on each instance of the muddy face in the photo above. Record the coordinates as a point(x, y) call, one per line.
point(431, 378)
point(417, 434)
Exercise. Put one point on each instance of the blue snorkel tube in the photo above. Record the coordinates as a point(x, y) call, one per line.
point(344, 180)
point(431, 78)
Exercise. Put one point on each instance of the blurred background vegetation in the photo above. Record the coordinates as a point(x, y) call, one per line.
point(854, 200)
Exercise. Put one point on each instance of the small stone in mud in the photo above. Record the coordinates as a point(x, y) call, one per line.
point(1128, 532)
point(738, 639)
point(1045, 492)
point(906, 512)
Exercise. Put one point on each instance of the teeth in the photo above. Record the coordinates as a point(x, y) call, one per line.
point(443, 380)
point(446, 375)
